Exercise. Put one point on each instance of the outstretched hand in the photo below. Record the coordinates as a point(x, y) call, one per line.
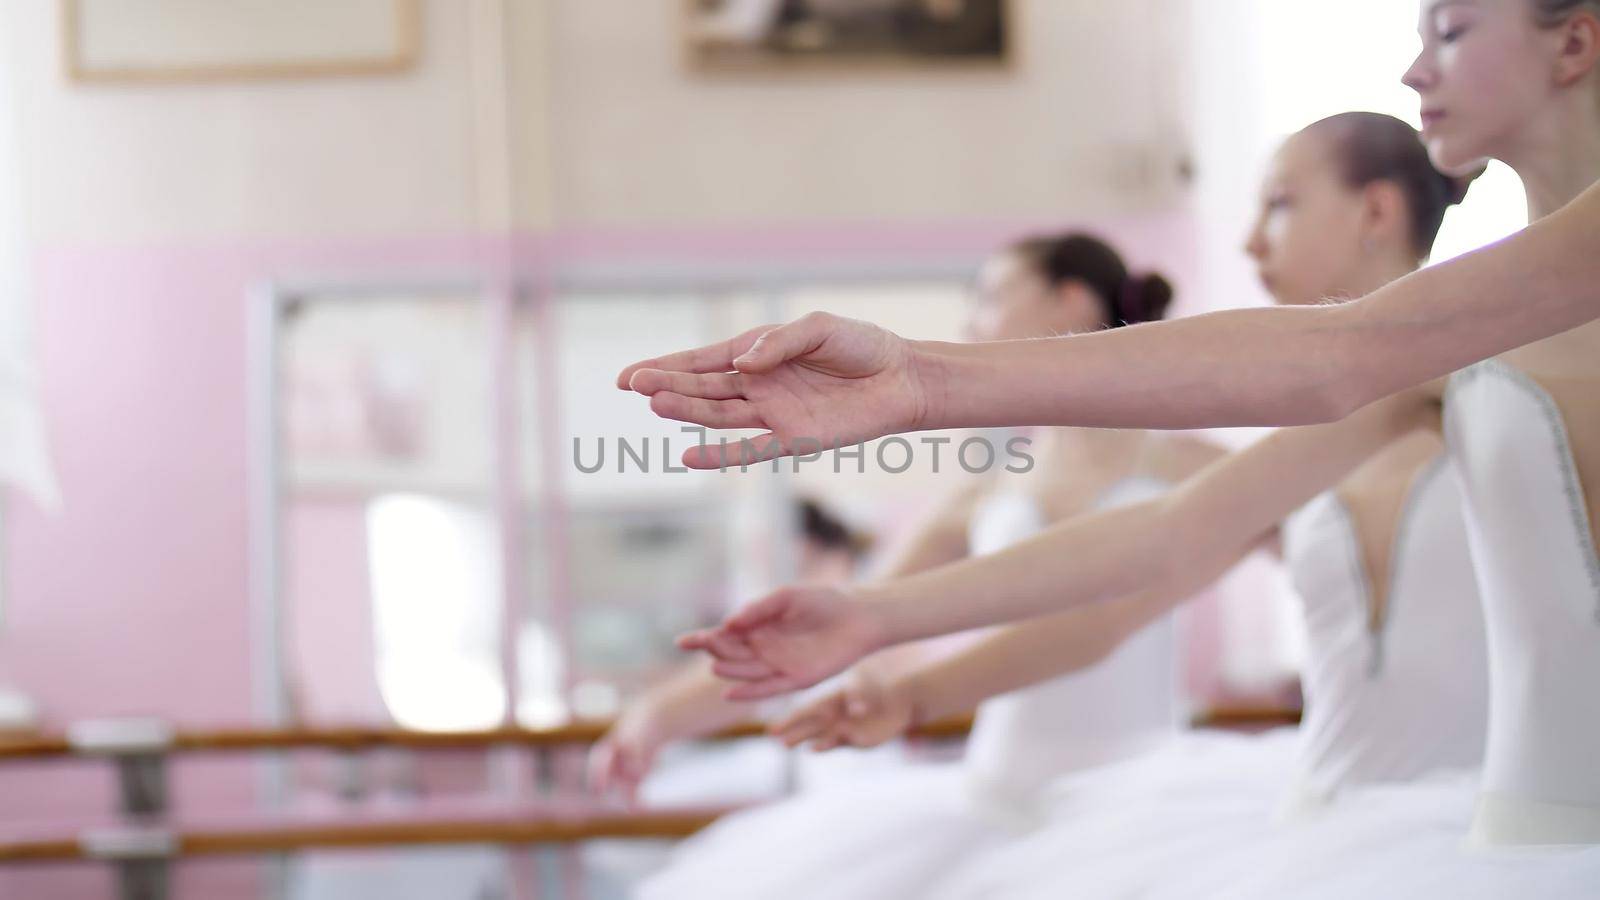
point(866, 712)
point(789, 640)
point(819, 382)
point(620, 761)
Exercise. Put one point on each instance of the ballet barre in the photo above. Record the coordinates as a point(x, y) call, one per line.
point(141, 749)
point(1246, 718)
point(142, 856)
point(143, 846)
point(130, 843)
point(113, 737)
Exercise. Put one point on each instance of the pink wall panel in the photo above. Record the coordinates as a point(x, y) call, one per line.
point(133, 599)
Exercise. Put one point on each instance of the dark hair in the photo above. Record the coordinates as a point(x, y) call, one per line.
point(1128, 299)
point(827, 531)
point(1551, 13)
point(1371, 147)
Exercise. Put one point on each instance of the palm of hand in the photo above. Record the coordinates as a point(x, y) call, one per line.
point(808, 407)
point(623, 757)
point(812, 641)
point(817, 383)
point(865, 714)
point(886, 721)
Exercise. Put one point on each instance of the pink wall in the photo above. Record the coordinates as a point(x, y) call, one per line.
point(133, 600)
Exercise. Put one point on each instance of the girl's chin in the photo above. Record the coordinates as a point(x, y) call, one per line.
point(1453, 158)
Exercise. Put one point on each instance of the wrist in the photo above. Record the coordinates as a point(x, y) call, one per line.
point(676, 711)
point(930, 370)
point(882, 622)
point(913, 688)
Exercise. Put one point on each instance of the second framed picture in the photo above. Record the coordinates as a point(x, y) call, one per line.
point(757, 35)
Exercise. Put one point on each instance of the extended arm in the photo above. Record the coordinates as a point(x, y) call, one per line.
point(875, 706)
point(837, 380)
point(1169, 546)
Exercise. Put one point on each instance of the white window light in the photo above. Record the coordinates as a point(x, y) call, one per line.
point(435, 612)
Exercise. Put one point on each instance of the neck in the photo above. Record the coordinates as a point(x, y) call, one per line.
point(1097, 449)
point(1378, 274)
point(1558, 163)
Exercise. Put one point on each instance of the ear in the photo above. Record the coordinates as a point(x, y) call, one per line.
point(1079, 304)
point(1384, 214)
point(1579, 49)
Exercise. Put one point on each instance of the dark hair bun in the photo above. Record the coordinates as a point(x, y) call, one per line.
point(1075, 256)
point(1144, 298)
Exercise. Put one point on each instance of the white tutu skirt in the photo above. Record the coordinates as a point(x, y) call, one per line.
point(1133, 828)
point(892, 834)
point(1208, 818)
point(905, 832)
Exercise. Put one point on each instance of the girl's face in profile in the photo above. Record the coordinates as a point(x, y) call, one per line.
point(1485, 71)
point(1307, 238)
point(1013, 301)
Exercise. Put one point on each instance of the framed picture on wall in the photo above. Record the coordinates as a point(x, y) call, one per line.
point(746, 35)
point(207, 40)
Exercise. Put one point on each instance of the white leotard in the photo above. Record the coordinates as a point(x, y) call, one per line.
point(1410, 697)
point(1125, 704)
point(1540, 580)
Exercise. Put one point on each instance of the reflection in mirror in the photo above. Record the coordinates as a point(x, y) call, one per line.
point(625, 550)
point(393, 565)
point(390, 600)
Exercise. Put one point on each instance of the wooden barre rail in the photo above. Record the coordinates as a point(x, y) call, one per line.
point(291, 838)
point(228, 740)
point(233, 740)
point(533, 829)
point(1246, 717)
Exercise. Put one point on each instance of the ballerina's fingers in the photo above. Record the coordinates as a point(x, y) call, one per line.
point(749, 670)
point(727, 454)
point(827, 742)
point(857, 733)
point(631, 776)
point(763, 689)
point(600, 766)
point(710, 413)
point(797, 338)
point(719, 642)
point(716, 357)
point(766, 611)
point(707, 386)
point(808, 722)
point(614, 769)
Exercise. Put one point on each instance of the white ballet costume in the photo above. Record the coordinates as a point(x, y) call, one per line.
point(896, 833)
point(1383, 706)
point(1529, 825)
point(1388, 704)
point(1541, 582)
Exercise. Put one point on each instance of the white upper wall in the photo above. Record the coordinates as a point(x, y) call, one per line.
point(378, 155)
point(533, 113)
point(638, 138)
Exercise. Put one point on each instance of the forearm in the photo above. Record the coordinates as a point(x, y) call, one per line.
point(1288, 376)
point(689, 704)
point(1282, 366)
point(1215, 516)
point(1019, 656)
point(1022, 655)
point(1078, 562)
